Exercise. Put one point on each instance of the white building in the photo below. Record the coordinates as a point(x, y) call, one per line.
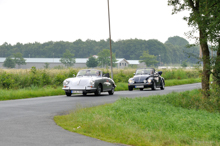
point(80, 63)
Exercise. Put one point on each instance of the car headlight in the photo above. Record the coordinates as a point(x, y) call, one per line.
point(92, 82)
point(65, 82)
point(130, 81)
point(149, 80)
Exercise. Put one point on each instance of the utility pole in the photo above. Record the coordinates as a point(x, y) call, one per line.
point(110, 39)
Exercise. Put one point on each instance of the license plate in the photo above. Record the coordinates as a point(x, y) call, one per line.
point(139, 86)
point(76, 91)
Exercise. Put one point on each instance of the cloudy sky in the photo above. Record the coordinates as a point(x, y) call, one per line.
point(41, 21)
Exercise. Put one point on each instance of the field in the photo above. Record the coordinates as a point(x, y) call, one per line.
point(23, 78)
point(28, 83)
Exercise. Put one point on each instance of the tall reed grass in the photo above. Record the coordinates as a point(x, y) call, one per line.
point(21, 78)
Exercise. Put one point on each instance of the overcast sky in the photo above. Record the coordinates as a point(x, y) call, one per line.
point(41, 21)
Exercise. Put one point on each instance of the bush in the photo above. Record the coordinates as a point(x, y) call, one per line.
point(7, 81)
point(19, 78)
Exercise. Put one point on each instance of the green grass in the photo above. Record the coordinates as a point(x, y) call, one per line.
point(35, 91)
point(159, 120)
point(30, 92)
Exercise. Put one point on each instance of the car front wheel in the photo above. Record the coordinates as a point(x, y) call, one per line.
point(130, 88)
point(84, 93)
point(153, 86)
point(162, 85)
point(98, 90)
point(112, 91)
point(68, 93)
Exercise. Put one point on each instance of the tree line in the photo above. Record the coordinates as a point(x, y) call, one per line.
point(174, 50)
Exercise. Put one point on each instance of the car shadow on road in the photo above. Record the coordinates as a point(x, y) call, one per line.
point(89, 95)
point(146, 90)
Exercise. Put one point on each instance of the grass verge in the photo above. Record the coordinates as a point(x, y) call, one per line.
point(30, 92)
point(159, 120)
point(35, 91)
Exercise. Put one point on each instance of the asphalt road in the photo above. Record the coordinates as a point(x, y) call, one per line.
point(29, 122)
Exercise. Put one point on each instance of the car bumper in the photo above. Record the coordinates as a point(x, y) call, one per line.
point(140, 85)
point(88, 89)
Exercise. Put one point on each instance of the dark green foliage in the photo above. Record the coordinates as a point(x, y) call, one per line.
point(104, 58)
point(18, 59)
point(181, 50)
point(148, 59)
point(92, 62)
point(177, 41)
point(132, 49)
point(184, 64)
point(46, 65)
point(9, 63)
point(68, 59)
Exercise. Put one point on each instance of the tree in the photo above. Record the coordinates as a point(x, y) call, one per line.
point(18, 59)
point(213, 22)
point(92, 62)
point(198, 19)
point(104, 58)
point(184, 64)
point(68, 59)
point(46, 66)
point(9, 63)
point(148, 59)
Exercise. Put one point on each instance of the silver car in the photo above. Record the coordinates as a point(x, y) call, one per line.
point(89, 81)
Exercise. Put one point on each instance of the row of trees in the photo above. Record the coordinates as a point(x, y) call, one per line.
point(172, 51)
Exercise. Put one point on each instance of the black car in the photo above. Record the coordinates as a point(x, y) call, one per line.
point(146, 78)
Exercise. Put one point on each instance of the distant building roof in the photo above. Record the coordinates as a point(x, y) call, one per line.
point(133, 61)
point(49, 60)
point(78, 60)
point(121, 59)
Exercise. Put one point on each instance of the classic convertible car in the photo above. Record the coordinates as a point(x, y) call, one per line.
point(146, 78)
point(89, 81)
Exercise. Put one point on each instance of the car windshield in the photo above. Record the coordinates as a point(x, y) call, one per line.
point(144, 71)
point(89, 73)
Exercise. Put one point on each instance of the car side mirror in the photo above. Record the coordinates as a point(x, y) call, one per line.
point(160, 73)
point(134, 73)
point(73, 75)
